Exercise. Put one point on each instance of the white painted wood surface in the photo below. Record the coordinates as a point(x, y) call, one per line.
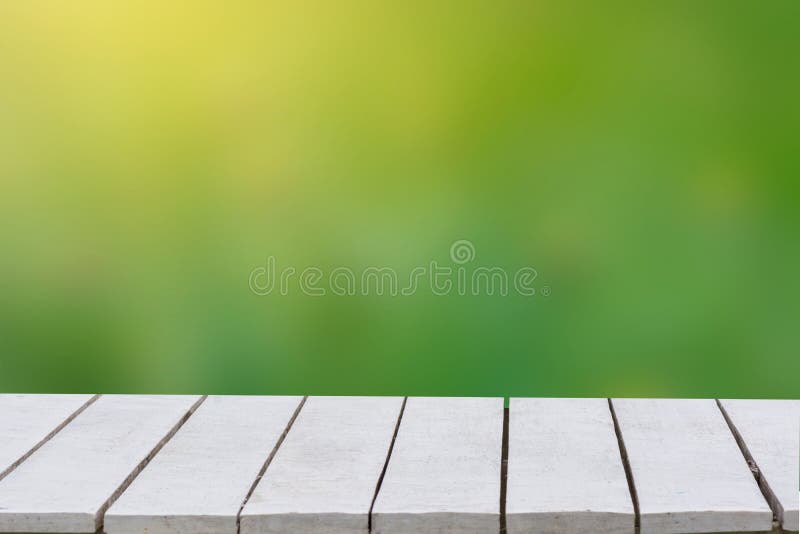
point(26, 421)
point(443, 477)
point(444, 473)
point(199, 480)
point(689, 473)
point(565, 473)
point(323, 478)
point(770, 430)
point(66, 484)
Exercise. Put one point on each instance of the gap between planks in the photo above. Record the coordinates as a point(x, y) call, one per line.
point(385, 464)
point(131, 477)
point(504, 470)
point(623, 453)
point(763, 483)
point(268, 461)
point(49, 436)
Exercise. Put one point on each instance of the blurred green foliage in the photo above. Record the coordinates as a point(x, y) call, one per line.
point(643, 157)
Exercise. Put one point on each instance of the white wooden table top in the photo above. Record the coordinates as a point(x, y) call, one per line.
point(128, 464)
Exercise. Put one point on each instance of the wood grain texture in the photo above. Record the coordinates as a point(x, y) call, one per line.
point(65, 485)
point(565, 473)
point(199, 480)
point(322, 479)
point(27, 421)
point(444, 473)
point(689, 473)
point(770, 432)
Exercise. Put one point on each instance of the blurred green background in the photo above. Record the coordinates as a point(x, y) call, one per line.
point(643, 158)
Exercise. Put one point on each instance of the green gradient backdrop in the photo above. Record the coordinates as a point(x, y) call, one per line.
point(644, 159)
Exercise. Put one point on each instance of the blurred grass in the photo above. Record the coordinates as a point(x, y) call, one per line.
point(644, 159)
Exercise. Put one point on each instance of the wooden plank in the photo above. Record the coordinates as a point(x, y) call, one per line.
point(444, 471)
point(688, 472)
point(770, 433)
point(322, 479)
point(27, 421)
point(199, 480)
point(565, 472)
point(66, 485)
